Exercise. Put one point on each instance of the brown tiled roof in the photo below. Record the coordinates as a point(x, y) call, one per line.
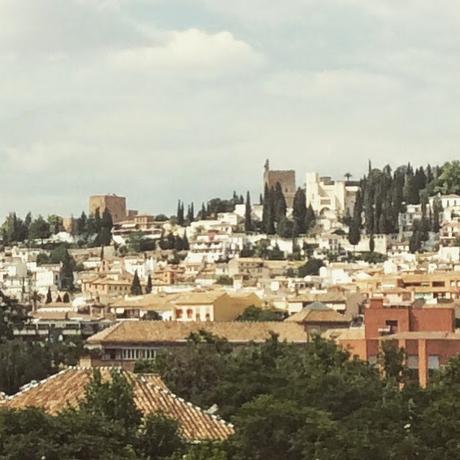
point(326, 315)
point(354, 333)
point(176, 331)
point(198, 298)
point(145, 302)
point(67, 389)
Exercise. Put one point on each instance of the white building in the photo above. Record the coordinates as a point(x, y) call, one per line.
point(330, 198)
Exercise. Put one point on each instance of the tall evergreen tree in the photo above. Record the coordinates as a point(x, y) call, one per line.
point(268, 213)
point(203, 212)
point(437, 210)
point(49, 298)
point(415, 242)
point(104, 237)
point(300, 211)
point(148, 288)
point(82, 224)
point(185, 243)
point(248, 214)
point(371, 243)
point(136, 288)
point(68, 267)
point(180, 213)
point(310, 219)
point(191, 213)
point(280, 206)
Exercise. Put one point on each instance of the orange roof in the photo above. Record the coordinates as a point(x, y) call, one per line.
point(177, 331)
point(323, 315)
point(67, 389)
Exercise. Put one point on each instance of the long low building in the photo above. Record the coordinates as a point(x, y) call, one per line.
point(128, 341)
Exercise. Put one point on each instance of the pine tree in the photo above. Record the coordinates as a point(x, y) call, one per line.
point(136, 288)
point(300, 212)
point(148, 288)
point(248, 214)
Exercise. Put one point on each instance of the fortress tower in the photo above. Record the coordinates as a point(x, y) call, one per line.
point(286, 178)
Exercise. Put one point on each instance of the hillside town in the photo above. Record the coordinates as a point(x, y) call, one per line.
point(130, 283)
point(371, 266)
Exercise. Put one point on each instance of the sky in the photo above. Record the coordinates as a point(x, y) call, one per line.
point(160, 100)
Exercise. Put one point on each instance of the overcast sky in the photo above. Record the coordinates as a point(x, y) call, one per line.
point(165, 99)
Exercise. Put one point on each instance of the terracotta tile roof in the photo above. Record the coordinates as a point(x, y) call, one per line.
point(198, 298)
point(318, 315)
point(354, 333)
point(176, 331)
point(151, 395)
point(145, 302)
point(428, 335)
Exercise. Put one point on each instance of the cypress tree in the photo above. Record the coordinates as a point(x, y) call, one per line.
point(415, 242)
point(203, 213)
point(185, 243)
point(411, 194)
point(371, 243)
point(279, 203)
point(268, 218)
point(68, 265)
point(49, 298)
point(248, 214)
point(310, 219)
point(104, 237)
point(148, 288)
point(136, 288)
point(437, 210)
point(180, 213)
point(191, 213)
point(354, 234)
point(300, 211)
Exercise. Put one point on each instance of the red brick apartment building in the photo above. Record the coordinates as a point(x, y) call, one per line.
point(427, 334)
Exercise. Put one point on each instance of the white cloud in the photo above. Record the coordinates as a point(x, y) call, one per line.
point(162, 99)
point(191, 52)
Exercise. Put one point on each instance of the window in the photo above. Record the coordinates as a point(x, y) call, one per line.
point(433, 366)
point(392, 324)
point(433, 362)
point(412, 361)
point(189, 313)
point(178, 313)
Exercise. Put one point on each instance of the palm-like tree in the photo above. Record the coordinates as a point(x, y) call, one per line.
point(348, 176)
